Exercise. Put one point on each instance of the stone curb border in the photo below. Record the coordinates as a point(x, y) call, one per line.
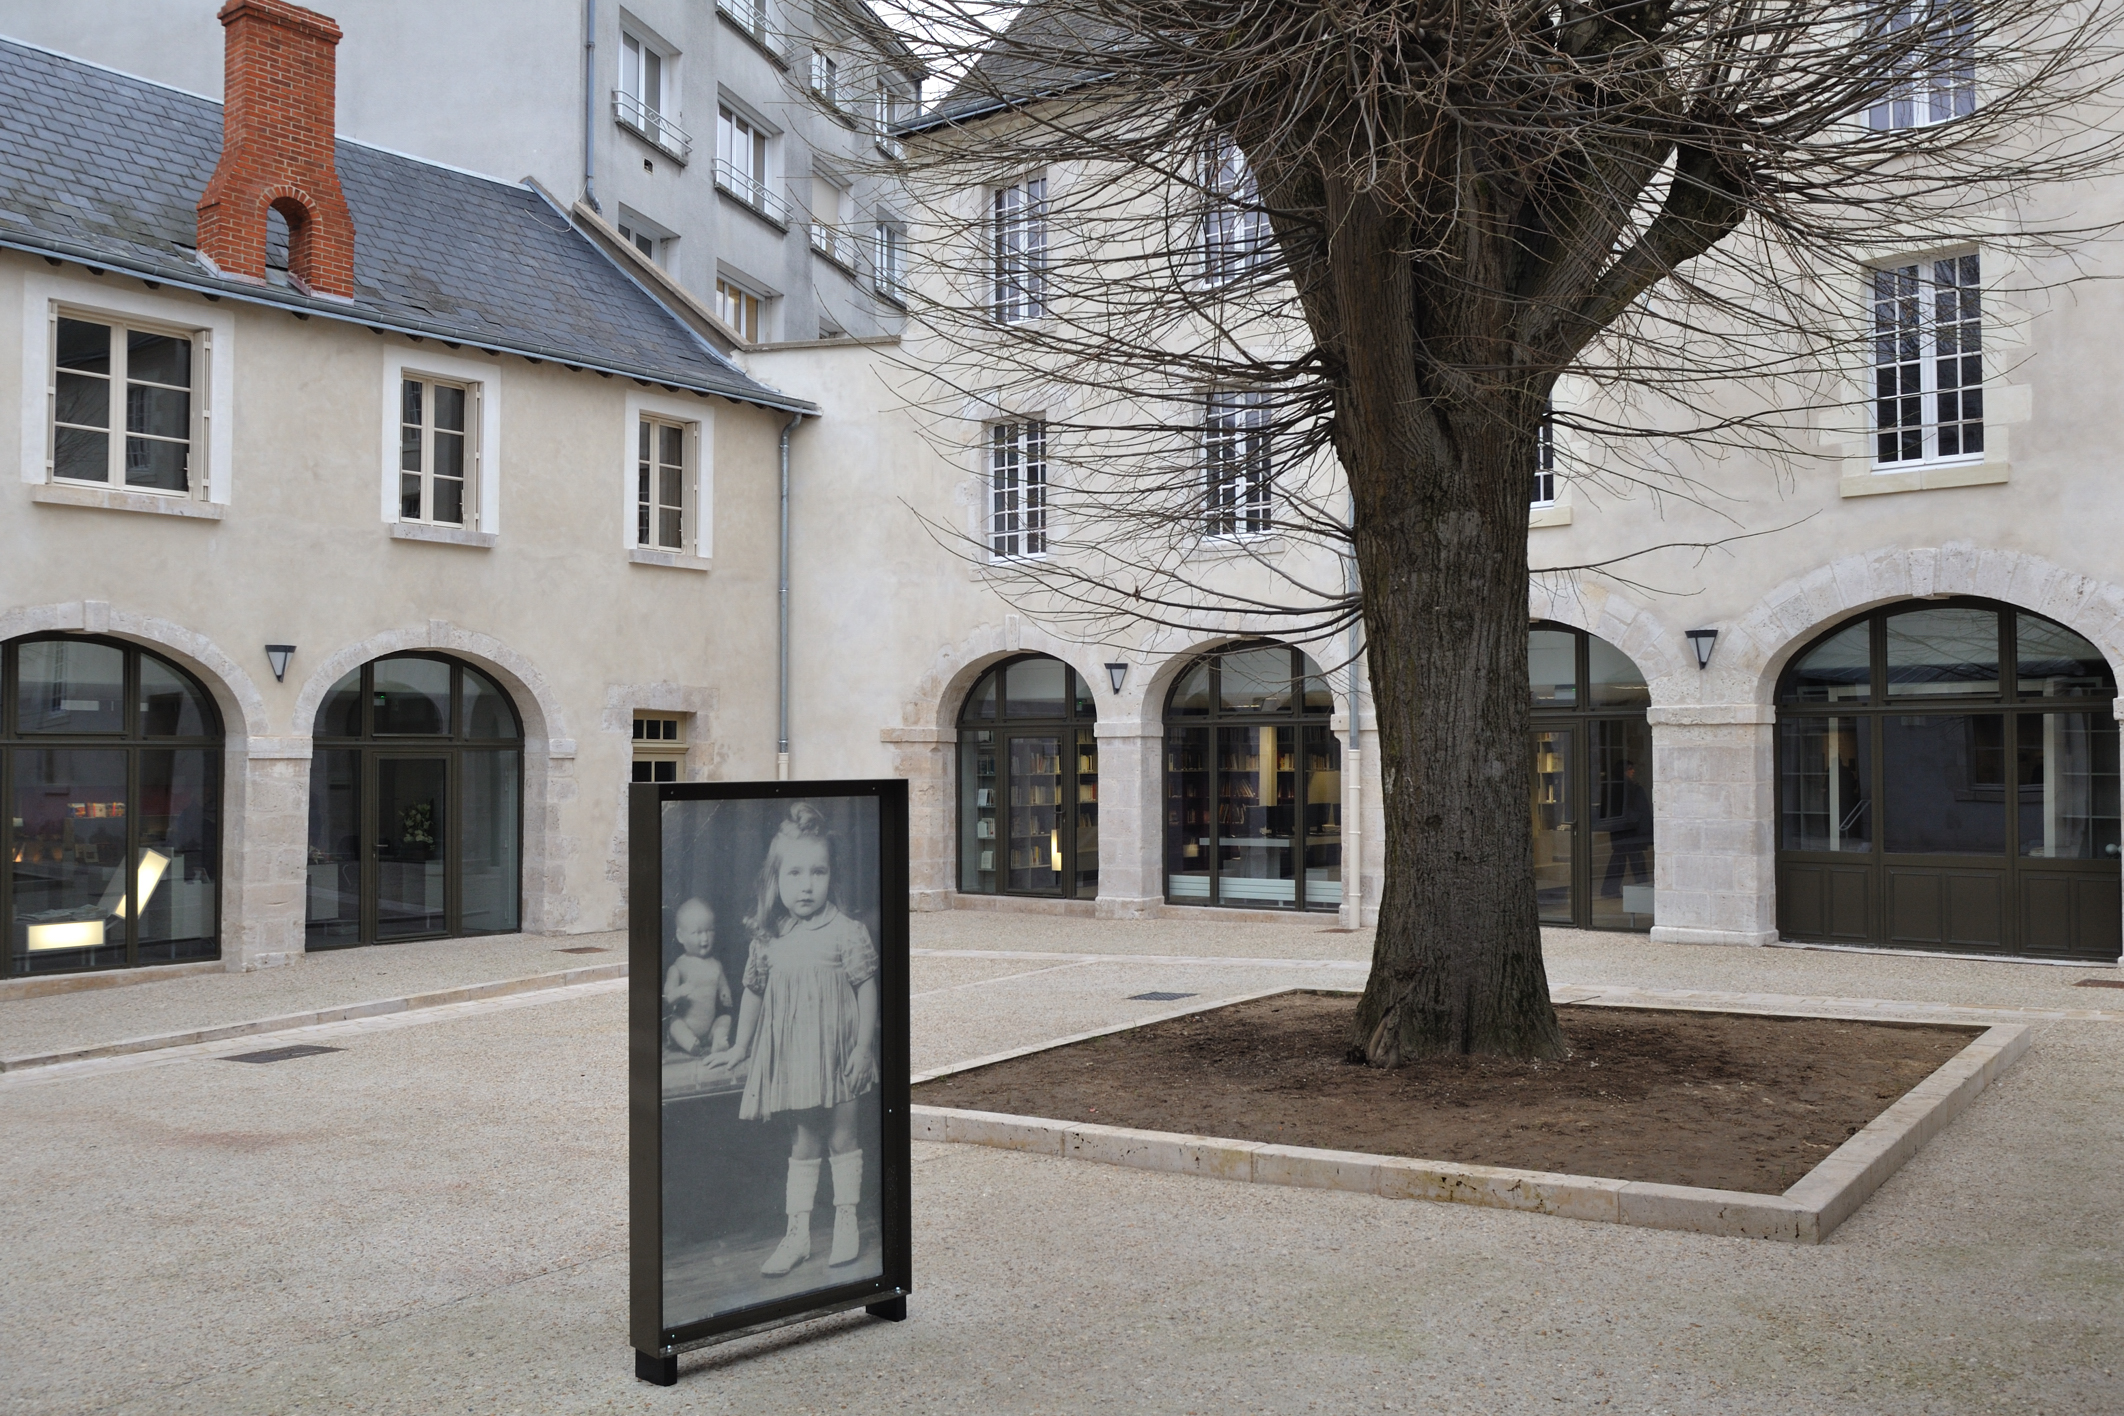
point(465, 993)
point(1807, 1213)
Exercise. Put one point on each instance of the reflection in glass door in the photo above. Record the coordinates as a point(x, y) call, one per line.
point(1589, 778)
point(1619, 836)
point(411, 884)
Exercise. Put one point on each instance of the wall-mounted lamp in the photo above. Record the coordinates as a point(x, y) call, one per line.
point(1115, 673)
point(1701, 641)
point(278, 655)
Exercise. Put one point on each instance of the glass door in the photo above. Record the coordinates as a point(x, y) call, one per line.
point(410, 872)
point(1619, 838)
point(1035, 818)
point(1551, 804)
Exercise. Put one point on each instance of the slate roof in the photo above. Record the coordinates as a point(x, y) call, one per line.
point(104, 168)
point(1042, 53)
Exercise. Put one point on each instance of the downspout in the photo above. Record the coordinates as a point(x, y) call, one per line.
point(590, 105)
point(1353, 760)
point(781, 646)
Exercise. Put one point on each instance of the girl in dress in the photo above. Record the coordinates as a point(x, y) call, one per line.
point(809, 1022)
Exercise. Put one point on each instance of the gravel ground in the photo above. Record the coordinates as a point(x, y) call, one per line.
point(434, 1220)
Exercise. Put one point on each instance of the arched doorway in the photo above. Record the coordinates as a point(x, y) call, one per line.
point(110, 765)
point(1927, 799)
point(1253, 783)
point(1029, 782)
point(416, 805)
point(1590, 781)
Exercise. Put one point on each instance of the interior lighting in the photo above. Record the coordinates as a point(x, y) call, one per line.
point(149, 878)
point(74, 934)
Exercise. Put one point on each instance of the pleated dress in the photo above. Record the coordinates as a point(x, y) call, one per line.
point(807, 980)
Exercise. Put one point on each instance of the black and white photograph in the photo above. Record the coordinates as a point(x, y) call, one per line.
point(769, 999)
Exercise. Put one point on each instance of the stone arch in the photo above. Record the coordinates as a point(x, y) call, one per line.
point(938, 694)
point(1659, 651)
point(1754, 650)
point(243, 710)
point(549, 906)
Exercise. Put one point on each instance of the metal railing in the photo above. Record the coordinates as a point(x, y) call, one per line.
point(835, 243)
point(750, 16)
point(752, 191)
point(641, 118)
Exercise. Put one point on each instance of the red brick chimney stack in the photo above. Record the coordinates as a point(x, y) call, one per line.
point(276, 149)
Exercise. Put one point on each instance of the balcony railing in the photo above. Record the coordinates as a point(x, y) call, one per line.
point(752, 191)
point(750, 18)
point(835, 243)
point(639, 117)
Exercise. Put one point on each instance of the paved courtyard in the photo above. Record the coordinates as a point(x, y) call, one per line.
point(434, 1218)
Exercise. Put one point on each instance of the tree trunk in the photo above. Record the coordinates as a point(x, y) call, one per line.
point(1440, 479)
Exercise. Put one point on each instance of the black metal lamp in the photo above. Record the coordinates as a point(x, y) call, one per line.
point(1701, 641)
point(278, 655)
point(1115, 673)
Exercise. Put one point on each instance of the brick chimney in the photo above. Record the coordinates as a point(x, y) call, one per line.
point(276, 150)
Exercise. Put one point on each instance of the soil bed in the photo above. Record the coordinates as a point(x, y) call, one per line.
point(1724, 1100)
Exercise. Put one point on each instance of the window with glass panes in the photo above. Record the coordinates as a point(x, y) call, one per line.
point(660, 485)
point(1545, 460)
point(1029, 782)
point(888, 259)
point(1253, 783)
point(1928, 361)
point(739, 308)
point(1018, 236)
point(1240, 488)
point(1937, 72)
point(659, 746)
point(122, 405)
point(1235, 232)
point(433, 456)
point(1017, 490)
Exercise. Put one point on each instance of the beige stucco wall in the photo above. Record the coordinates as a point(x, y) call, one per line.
point(555, 609)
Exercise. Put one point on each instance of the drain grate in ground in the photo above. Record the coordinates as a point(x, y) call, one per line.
point(1157, 997)
point(282, 1054)
point(2100, 983)
point(583, 949)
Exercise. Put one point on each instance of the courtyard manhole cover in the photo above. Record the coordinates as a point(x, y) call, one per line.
point(281, 1054)
point(583, 949)
point(1156, 997)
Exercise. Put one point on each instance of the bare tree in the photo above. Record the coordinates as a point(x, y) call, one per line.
point(1346, 251)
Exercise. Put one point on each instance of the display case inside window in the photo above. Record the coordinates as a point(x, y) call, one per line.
point(1029, 782)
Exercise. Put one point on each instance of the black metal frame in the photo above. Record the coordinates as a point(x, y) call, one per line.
point(1005, 727)
point(1579, 717)
point(1215, 718)
point(449, 746)
point(2009, 868)
point(656, 1345)
point(130, 741)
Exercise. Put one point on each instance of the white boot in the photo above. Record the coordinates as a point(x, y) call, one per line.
point(796, 1244)
point(847, 1191)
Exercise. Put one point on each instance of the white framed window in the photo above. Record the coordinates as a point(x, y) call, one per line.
point(888, 259)
point(884, 113)
point(738, 307)
point(659, 746)
point(660, 478)
point(1545, 460)
point(1017, 490)
point(1928, 361)
point(1235, 231)
point(435, 424)
point(647, 99)
point(652, 239)
point(668, 487)
point(128, 410)
point(123, 411)
point(1018, 248)
point(1937, 80)
point(1239, 474)
point(642, 73)
point(442, 447)
point(826, 78)
point(741, 153)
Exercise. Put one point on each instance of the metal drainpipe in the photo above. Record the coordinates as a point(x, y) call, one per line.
point(590, 105)
point(781, 647)
point(1353, 759)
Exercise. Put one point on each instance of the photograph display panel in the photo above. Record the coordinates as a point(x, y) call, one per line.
point(779, 1050)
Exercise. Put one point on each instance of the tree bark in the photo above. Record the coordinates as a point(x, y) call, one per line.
point(1440, 476)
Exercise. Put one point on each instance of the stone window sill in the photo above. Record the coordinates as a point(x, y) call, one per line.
point(104, 499)
point(1551, 515)
point(670, 560)
point(443, 535)
point(1926, 479)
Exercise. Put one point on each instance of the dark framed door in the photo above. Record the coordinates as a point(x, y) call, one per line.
point(1590, 808)
point(411, 894)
